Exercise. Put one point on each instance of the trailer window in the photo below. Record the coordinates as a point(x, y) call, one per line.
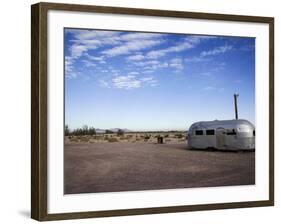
point(231, 132)
point(210, 132)
point(254, 133)
point(199, 132)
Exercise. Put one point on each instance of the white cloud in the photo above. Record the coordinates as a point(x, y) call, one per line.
point(71, 75)
point(131, 46)
point(154, 54)
point(149, 78)
point(89, 63)
point(146, 63)
point(217, 50)
point(196, 59)
point(198, 38)
point(133, 73)
point(154, 67)
point(147, 71)
point(99, 59)
point(96, 37)
point(71, 72)
point(114, 35)
point(181, 47)
point(188, 43)
point(150, 81)
point(132, 82)
point(176, 63)
point(204, 55)
point(85, 40)
point(162, 52)
point(69, 68)
point(115, 43)
point(140, 36)
point(120, 42)
point(151, 66)
point(91, 34)
point(104, 84)
point(77, 50)
point(126, 82)
point(68, 62)
point(114, 72)
point(136, 57)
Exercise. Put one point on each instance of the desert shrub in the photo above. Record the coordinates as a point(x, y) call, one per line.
point(85, 130)
point(179, 135)
point(112, 140)
point(91, 131)
point(166, 136)
point(120, 132)
point(84, 138)
point(108, 132)
point(98, 137)
point(124, 138)
point(77, 131)
point(66, 130)
point(147, 137)
point(74, 140)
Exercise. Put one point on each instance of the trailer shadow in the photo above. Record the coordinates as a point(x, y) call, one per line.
point(222, 150)
point(184, 147)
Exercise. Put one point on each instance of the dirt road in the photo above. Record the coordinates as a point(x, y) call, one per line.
point(111, 167)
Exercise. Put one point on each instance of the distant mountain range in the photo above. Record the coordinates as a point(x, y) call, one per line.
point(115, 130)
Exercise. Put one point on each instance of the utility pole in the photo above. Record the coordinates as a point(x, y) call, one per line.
point(235, 105)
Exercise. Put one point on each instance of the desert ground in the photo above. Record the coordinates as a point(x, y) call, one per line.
point(121, 163)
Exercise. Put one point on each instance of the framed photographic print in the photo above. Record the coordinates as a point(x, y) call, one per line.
point(139, 111)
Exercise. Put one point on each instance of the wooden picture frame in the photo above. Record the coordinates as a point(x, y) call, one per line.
point(39, 110)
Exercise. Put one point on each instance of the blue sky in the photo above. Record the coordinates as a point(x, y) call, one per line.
point(156, 81)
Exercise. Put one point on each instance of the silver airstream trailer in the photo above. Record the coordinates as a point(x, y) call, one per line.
point(225, 134)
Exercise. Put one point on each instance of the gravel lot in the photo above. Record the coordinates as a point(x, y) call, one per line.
point(111, 167)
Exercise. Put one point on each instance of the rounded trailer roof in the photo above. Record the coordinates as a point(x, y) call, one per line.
point(221, 123)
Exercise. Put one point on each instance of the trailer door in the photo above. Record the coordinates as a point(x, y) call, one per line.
point(220, 135)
